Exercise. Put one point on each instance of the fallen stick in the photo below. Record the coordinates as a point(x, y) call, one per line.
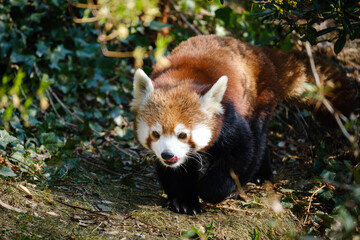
point(15, 209)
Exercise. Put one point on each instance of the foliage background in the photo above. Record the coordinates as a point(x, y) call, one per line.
point(62, 100)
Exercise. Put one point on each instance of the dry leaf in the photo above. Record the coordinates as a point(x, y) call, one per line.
point(26, 191)
point(7, 206)
point(52, 214)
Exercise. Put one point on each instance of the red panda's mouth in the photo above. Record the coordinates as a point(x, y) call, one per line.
point(172, 160)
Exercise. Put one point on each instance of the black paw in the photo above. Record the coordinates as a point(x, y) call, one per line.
point(190, 208)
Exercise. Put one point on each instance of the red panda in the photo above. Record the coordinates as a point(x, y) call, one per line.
point(215, 102)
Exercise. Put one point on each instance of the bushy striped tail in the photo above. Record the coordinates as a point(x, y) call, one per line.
point(298, 85)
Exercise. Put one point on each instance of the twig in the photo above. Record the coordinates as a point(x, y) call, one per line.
point(303, 122)
point(122, 150)
point(123, 175)
point(116, 54)
point(64, 106)
point(101, 167)
point(84, 209)
point(287, 124)
point(197, 32)
point(226, 208)
point(352, 139)
point(82, 5)
point(97, 227)
point(164, 18)
point(82, 20)
point(85, 20)
point(114, 145)
point(311, 199)
point(242, 193)
point(49, 90)
point(25, 165)
point(52, 104)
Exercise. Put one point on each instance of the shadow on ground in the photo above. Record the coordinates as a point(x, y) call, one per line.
point(95, 205)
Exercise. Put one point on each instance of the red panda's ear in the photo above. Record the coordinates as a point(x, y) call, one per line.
point(211, 101)
point(143, 87)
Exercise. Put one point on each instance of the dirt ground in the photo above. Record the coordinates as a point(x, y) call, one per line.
point(96, 205)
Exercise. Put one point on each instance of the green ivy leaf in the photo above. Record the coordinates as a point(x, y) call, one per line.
point(57, 55)
point(41, 49)
point(326, 194)
point(36, 17)
point(18, 3)
point(7, 172)
point(6, 138)
point(96, 126)
point(17, 57)
point(4, 47)
point(328, 175)
point(18, 157)
point(157, 26)
point(87, 50)
point(51, 141)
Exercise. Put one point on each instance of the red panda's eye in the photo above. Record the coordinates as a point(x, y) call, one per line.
point(182, 136)
point(155, 134)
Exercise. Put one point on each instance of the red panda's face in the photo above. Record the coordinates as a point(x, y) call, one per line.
point(174, 122)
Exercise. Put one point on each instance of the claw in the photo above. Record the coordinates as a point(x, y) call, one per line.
point(186, 211)
point(191, 208)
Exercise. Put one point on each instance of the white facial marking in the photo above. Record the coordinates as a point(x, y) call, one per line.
point(201, 136)
point(157, 128)
point(180, 128)
point(142, 132)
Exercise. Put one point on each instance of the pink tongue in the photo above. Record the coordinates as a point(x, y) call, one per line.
point(174, 159)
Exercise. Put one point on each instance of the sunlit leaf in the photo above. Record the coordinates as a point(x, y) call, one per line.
point(7, 172)
point(6, 138)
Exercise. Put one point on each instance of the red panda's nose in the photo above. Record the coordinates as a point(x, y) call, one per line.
point(167, 155)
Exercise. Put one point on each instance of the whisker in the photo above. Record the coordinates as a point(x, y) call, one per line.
point(204, 153)
point(183, 166)
point(198, 158)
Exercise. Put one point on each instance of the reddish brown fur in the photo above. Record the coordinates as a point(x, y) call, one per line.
point(258, 77)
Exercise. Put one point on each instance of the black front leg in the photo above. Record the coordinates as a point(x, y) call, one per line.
point(180, 186)
point(217, 183)
point(265, 171)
